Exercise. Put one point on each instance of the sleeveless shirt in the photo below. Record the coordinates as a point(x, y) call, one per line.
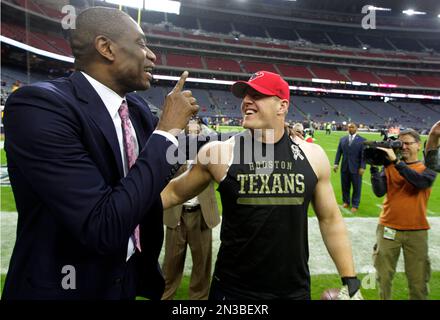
point(264, 240)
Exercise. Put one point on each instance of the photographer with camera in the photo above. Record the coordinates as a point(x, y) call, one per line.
point(432, 152)
point(407, 182)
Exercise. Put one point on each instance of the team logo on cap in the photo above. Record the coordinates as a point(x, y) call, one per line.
point(256, 75)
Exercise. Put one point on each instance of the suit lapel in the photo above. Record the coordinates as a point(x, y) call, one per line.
point(95, 108)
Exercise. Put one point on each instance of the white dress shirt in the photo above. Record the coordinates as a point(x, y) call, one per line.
point(194, 201)
point(112, 102)
point(351, 138)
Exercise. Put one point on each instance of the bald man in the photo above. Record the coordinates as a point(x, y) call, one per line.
point(87, 162)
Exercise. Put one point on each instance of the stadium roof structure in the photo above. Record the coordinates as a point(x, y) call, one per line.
point(391, 67)
point(432, 7)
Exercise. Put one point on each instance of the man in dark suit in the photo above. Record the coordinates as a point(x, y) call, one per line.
point(353, 166)
point(80, 192)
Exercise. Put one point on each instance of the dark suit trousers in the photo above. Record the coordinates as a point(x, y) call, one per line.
point(194, 232)
point(351, 179)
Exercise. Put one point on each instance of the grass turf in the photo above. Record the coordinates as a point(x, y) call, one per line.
point(319, 283)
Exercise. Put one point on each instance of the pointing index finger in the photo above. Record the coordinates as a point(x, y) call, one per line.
point(179, 85)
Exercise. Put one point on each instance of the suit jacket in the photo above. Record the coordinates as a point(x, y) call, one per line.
point(74, 206)
point(208, 206)
point(352, 155)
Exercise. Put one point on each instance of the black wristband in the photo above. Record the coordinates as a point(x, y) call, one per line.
point(353, 284)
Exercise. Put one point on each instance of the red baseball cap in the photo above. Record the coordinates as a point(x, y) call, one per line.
point(265, 82)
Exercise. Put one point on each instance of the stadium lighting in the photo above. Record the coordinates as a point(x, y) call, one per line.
point(411, 12)
point(152, 5)
point(371, 8)
point(438, 16)
point(138, 4)
point(163, 6)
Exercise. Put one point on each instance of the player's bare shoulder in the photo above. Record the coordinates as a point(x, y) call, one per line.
point(315, 155)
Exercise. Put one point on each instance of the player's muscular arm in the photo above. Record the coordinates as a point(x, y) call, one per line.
point(206, 168)
point(331, 224)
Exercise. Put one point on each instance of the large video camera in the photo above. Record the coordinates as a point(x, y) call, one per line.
point(377, 157)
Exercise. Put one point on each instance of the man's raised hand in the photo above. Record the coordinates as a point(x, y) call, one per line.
point(178, 108)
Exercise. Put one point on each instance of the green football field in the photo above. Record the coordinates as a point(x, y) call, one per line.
point(369, 207)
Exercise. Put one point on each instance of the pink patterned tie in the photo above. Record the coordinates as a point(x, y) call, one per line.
point(129, 146)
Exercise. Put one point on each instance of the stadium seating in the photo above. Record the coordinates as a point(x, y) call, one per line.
point(363, 76)
point(418, 113)
point(353, 111)
point(222, 64)
point(327, 73)
point(316, 109)
point(399, 80)
point(226, 103)
point(254, 66)
point(295, 71)
point(186, 61)
point(426, 81)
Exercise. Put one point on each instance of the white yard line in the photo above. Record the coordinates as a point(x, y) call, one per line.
point(362, 232)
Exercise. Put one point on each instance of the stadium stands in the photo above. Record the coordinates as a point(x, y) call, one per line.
point(353, 111)
point(327, 73)
point(295, 71)
point(363, 76)
point(316, 109)
point(186, 61)
point(253, 66)
point(399, 80)
point(222, 64)
point(234, 47)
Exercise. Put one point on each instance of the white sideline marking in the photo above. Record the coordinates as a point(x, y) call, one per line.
point(362, 233)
